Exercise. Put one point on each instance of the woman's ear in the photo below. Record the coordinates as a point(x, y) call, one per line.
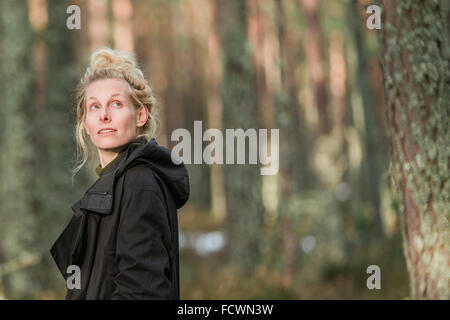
point(142, 116)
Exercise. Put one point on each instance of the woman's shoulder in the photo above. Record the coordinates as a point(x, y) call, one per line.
point(141, 177)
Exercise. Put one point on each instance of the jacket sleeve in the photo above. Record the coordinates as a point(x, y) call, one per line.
point(141, 249)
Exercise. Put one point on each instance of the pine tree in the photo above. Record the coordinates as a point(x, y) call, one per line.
point(415, 59)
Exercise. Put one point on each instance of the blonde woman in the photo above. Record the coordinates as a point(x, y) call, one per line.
point(123, 236)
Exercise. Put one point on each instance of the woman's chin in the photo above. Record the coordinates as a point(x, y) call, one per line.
point(113, 145)
point(108, 145)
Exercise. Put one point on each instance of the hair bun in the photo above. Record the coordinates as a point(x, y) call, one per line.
point(103, 58)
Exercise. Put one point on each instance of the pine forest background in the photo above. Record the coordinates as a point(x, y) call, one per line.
point(364, 140)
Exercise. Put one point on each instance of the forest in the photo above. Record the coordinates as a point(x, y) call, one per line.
point(348, 102)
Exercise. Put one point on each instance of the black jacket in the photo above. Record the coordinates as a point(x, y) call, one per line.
point(124, 232)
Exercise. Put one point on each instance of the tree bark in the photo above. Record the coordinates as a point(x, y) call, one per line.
point(415, 59)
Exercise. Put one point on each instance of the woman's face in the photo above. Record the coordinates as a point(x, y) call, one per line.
point(111, 119)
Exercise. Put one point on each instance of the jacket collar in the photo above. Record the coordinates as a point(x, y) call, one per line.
point(99, 197)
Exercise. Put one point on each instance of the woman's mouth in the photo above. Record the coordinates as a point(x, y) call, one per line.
point(106, 131)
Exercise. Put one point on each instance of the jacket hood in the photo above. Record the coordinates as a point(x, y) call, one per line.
point(99, 197)
point(175, 176)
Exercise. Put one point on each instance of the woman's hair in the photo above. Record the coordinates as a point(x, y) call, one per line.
point(106, 63)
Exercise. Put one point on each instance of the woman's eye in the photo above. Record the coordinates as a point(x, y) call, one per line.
point(117, 103)
point(94, 105)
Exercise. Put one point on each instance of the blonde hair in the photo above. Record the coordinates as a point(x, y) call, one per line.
point(106, 63)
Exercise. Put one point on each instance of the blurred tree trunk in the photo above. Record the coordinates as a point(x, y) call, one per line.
point(313, 47)
point(213, 76)
point(123, 29)
point(293, 171)
point(257, 38)
point(172, 112)
point(194, 87)
point(338, 80)
point(415, 58)
point(268, 42)
point(243, 182)
point(98, 24)
point(372, 164)
point(57, 148)
point(17, 141)
point(151, 27)
point(263, 38)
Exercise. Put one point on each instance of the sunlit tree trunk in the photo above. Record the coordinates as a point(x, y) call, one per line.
point(415, 59)
point(258, 38)
point(172, 106)
point(312, 44)
point(150, 25)
point(98, 24)
point(123, 29)
point(263, 38)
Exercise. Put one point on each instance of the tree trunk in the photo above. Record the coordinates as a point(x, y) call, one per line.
point(213, 75)
point(313, 47)
point(17, 137)
point(415, 61)
point(55, 146)
point(243, 182)
point(293, 176)
point(123, 29)
point(98, 24)
point(372, 165)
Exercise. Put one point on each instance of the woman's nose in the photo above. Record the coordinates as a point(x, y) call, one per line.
point(104, 115)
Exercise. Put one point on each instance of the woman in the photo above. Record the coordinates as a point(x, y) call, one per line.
point(123, 235)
